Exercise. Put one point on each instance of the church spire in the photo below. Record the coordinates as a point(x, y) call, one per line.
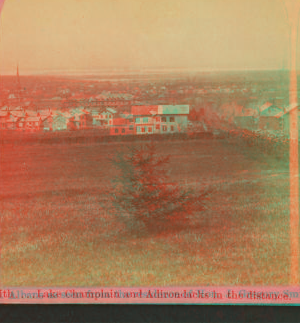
point(18, 84)
point(18, 77)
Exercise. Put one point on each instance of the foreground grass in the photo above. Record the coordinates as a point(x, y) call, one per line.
point(64, 235)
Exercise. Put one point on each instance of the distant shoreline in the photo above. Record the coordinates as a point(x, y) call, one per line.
point(141, 73)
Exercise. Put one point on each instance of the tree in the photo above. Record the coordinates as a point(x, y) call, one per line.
point(144, 195)
point(196, 114)
point(193, 115)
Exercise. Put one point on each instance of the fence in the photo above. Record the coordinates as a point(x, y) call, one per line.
point(89, 136)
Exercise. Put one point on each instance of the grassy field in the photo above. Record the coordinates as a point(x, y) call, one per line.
point(57, 231)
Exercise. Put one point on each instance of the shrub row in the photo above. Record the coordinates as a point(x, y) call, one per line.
point(89, 136)
point(261, 143)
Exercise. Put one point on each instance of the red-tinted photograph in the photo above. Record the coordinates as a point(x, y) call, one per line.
point(149, 151)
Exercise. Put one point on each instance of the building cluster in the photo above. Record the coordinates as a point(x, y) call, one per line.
point(143, 119)
point(152, 119)
point(267, 117)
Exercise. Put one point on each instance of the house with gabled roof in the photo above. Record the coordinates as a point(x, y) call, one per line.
point(121, 126)
point(33, 123)
point(80, 119)
point(97, 117)
point(21, 123)
point(265, 106)
point(160, 118)
point(268, 109)
point(21, 117)
point(106, 117)
point(247, 119)
point(268, 119)
point(74, 122)
point(46, 123)
point(285, 118)
point(29, 120)
point(59, 122)
point(11, 122)
point(4, 115)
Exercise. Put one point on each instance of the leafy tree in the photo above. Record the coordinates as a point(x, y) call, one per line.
point(193, 115)
point(196, 114)
point(144, 195)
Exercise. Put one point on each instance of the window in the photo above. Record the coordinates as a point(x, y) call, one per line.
point(163, 119)
point(143, 129)
point(165, 128)
point(172, 128)
point(116, 130)
point(157, 119)
point(123, 130)
point(130, 127)
point(145, 120)
point(149, 129)
point(137, 120)
point(157, 127)
point(138, 129)
point(172, 119)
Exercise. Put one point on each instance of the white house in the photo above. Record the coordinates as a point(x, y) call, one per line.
point(151, 119)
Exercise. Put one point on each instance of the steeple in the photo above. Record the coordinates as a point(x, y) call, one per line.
point(18, 78)
point(18, 84)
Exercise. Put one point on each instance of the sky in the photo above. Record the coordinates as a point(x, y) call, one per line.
point(86, 36)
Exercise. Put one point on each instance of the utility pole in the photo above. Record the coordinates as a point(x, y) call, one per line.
point(1, 7)
point(293, 7)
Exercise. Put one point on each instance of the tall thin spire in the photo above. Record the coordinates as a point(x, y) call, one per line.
point(18, 84)
point(18, 77)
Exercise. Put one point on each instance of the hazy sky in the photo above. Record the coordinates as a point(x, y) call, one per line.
point(80, 35)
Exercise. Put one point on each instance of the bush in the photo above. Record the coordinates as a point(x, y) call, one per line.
point(266, 143)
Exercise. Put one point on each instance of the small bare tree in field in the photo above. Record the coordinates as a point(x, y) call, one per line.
point(144, 195)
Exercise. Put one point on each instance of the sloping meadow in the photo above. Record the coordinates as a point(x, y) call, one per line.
point(58, 228)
